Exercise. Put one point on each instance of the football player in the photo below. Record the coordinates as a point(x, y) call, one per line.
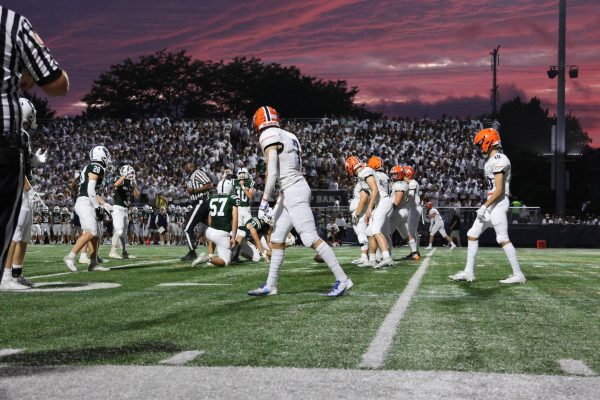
point(378, 208)
point(243, 187)
point(222, 225)
point(399, 214)
point(436, 225)
point(358, 207)
point(124, 189)
point(65, 222)
point(413, 205)
point(493, 211)
point(12, 278)
point(37, 227)
point(90, 208)
point(282, 153)
point(46, 223)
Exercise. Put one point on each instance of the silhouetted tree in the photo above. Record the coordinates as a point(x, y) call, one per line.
point(42, 107)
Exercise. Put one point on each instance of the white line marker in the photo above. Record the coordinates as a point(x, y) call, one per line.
point(10, 352)
point(44, 287)
point(375, 355)
point(575, 367)
point(175, 284)
point(84, 268)
point(182, 358)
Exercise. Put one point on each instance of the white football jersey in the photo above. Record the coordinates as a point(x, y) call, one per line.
point(438, 217)
point(413, 199)
point(400, 186)
point(290, 161)
point(497, 164)
point(383, 183)
point(359, 187)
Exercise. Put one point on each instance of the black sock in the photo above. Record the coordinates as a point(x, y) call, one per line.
point(16, 272)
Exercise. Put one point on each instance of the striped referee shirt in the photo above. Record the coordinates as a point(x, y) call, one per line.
point(23, 50)
point(196, 181)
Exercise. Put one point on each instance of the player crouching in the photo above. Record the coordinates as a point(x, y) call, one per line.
point(222, 225)
point(124, 188)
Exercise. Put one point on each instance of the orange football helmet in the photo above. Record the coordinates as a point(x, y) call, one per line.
point(265, 117)
point(486, 138)
point(397, 172)
point(409, 172)
point(351, 164)
point(429, 205)
point(376, 163)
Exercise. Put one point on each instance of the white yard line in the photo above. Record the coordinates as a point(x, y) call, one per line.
point(84, 267)
point(177, 284)
point(575, 367)
point(375, 355)
point(10, 352)
point(182, 358)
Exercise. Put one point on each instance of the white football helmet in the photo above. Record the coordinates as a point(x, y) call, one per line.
point(127, 170)
point(243, 173)
point(267, 217)
point(100, 154)
point(290, 240)
point(29, 114)
point(225, 187)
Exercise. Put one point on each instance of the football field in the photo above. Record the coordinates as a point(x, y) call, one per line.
point(155, 310)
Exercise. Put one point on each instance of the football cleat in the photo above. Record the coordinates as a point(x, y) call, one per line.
point(366, 264)
point(386, 262)
point(202, 258)
point(12, 284)
point(452, 246)
point(97, 268)
point(340, 288)
point(514, 279)
point(21, 279)
point(190, 256)
point(84, 259)
point(358, 261)
point(263, 290)
point(429, 247)
point(114, 254)
point(70, 263)
point(462, 276)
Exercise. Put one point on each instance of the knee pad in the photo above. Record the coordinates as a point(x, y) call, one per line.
point(308, 239)
point(362, 238)
point(371, 231)
point(473, 233)
point(502, 237)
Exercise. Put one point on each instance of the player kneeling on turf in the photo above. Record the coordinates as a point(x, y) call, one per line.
point(223, 225)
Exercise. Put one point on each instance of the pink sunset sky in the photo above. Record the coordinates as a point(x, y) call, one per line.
point(406, 57)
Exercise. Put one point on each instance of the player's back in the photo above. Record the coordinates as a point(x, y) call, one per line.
point(400, 186)
point(414, 198)
point(290, 160)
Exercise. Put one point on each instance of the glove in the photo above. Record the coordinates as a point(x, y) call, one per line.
point(99, 213)
point(107, 207)
point(263, 209)
point(41, 157)
point(481, 213)
point(354, 219)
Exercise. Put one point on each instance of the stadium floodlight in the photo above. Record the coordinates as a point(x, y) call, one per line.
point(552, 72)
point(573, 71)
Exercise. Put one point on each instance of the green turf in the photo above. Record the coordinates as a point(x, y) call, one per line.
point(477, 327)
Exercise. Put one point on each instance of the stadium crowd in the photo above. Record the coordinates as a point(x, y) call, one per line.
point(448, 166)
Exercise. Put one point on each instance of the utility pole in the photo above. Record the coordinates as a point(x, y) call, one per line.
point(495, 62)
point(559, 155)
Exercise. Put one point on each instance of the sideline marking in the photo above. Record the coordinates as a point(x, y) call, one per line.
point(111, 268)
point(575, 367)
point(10, 352)
point(182, 358)
point(82, 287)
point(175, 284)
point(375, 355)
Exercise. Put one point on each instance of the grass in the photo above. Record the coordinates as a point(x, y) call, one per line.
point(478, 327)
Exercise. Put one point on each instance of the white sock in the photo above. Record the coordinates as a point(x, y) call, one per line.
point(511, 254)
point(472, 248)
point(385, 255)
point(378, 254)
point(7, 274)
point(363, 256)
point(413, 245)
point(115, 242)
point(329, 257)
point(275, 266)
point(72, 255)
point(372, 257)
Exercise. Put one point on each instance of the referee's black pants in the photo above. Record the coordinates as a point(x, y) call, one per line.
point(11, 188)
point(198, 215)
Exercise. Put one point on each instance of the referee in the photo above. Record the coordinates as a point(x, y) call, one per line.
point(198, 186)
point(27, 61)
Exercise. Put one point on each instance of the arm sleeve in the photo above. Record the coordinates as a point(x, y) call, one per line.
point(36, 57)
point(91, 191)
point(272, 168)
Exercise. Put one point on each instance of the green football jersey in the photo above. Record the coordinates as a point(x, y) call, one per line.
point(93, 168)
point(221, 211)
point(237, 189)
point(261, 229)
point(122, 194)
